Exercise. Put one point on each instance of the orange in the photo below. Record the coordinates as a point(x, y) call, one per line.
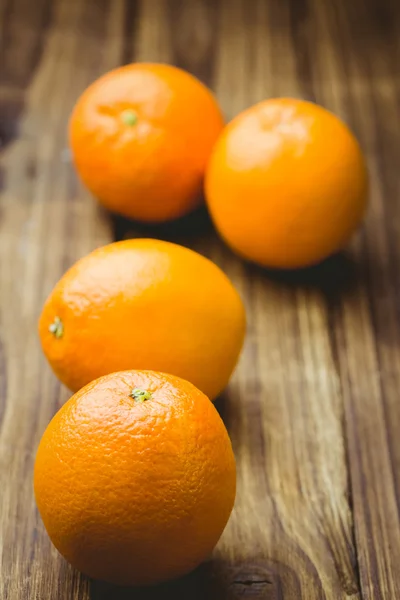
point(144, 304)
point(286, 184)
point(141, 137)
point(135, 478)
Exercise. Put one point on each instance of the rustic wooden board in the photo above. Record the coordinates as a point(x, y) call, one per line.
point(313, 408)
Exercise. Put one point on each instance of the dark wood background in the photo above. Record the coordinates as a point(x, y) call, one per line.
point(313, 409)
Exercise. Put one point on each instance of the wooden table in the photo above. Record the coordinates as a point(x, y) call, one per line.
point(314, 408)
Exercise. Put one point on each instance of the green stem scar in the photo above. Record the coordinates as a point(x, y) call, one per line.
point(140, 395)
point(129, 117)
point(57, 328)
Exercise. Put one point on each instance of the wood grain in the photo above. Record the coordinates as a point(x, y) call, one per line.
point(313, 408)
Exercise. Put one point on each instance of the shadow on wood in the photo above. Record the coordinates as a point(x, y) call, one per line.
point(337, 274)
point(181, 231)
point(208, 582)
point(198, 585)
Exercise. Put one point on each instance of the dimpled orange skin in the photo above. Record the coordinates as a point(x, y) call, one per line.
point(144, 304)
point(135, 492)
point(141, 137)
point(286, 184)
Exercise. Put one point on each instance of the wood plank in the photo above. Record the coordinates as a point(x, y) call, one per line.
point(312, 408)
point(365, 323)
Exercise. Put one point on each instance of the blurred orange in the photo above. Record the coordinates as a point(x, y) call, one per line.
point(286, 184)
point(141, 137)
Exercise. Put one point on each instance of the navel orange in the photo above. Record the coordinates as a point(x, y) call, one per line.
point(135, 478)
point(141, 137)
point(144, 304)
point(286, 184)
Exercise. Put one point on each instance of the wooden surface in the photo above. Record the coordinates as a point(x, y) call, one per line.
point(313, 409)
